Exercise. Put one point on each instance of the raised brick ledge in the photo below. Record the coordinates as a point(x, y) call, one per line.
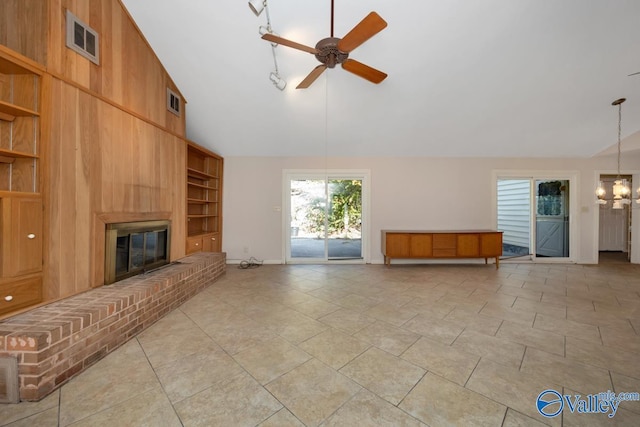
point(57, 341)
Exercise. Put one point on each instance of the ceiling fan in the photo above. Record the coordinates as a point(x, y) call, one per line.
point(332, 50)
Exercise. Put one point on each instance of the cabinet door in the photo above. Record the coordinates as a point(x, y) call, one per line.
point(20, 293)
point(211, 242)
point(194, 244)
point(468, 245)
point(22, 226)
point(491, 244)
point(421, 245)
point(397, 245)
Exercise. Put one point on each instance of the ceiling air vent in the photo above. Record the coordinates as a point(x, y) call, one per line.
point(173, 102)
point(82, 38)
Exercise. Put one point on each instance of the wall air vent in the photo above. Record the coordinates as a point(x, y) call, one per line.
point(82, 38)
point(173, 102)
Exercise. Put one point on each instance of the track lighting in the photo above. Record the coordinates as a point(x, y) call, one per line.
point(257, 6)
point(277, 81)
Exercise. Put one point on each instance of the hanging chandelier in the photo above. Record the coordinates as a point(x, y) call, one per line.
point(621, 189)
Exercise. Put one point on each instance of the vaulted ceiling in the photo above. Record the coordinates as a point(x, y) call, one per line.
point(516, 78)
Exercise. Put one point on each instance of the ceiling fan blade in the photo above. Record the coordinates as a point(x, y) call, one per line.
point(371, 25)
point(279, 40)
point(313, 75)
point(364, 71)
point(633, 74)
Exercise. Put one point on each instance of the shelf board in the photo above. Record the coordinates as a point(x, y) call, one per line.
point(200, 174)
point(10, 110)
point(202, 216)
point(193, 184)
point(16, 154)
point(201, 201)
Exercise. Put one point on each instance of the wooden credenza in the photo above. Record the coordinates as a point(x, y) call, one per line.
point(442, 244)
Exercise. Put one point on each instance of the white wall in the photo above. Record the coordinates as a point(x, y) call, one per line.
point(406, 193)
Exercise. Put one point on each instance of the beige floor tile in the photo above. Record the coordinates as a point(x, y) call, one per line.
point(575, 303)
point(518, 291)
point(14, 412)
point(543, 340)
point(316, 308)
point(429, 307)
point(390, 313)
point(356, 302)
point(387, 337)
point(269, 360)
point(388, 376)
point(497, 349)
point(622, 417)
point(597, 318)
point(348, 321)
point(190, 375)
point(451, 363)
point(296, 327)
point(476, 322)
point(516, 419)
point(620, 361)
point(173, 338)
point(238, 400)
point(523, 304)
point(366, 409)
point(313, 391)
point(101, 386)
point(438, 402)
point(625, 339)
point(566, 372)
point(440, 330)
point(568, 328)
point(47, 418)
point(515, 389)
point(237, 336)
point(508, 313)
point(334, 347)
point(282, 418)
point(624, 384)
point(150, 408)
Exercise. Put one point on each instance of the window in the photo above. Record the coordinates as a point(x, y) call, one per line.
point(82, 39)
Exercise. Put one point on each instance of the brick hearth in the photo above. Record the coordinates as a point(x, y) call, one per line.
point(54, 342)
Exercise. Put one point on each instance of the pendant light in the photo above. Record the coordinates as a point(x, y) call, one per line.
point(621, 190)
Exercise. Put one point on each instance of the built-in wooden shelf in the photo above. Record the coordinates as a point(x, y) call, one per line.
point(9, 112)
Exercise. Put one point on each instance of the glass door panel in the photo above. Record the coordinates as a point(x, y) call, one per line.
point(552, 218)
point(308, 218)
point(344, 225)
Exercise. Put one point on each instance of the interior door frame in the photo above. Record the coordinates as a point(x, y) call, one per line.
point(532, 176)
point(326, 174)
point(634, 248)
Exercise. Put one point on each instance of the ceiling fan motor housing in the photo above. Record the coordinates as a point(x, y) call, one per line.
point(328, 52)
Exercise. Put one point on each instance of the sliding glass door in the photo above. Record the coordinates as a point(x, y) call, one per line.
point(325, 217)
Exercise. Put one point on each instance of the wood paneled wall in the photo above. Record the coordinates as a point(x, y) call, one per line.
point(101, 160)
point(110, 150)
point(129, 74)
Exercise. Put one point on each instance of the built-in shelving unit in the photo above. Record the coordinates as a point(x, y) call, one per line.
point(204, 200)
point(20, 197)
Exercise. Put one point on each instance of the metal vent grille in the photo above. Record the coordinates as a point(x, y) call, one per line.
point(173, 102)
point(82, 38)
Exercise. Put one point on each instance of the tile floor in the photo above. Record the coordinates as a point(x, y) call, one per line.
point(367, 345)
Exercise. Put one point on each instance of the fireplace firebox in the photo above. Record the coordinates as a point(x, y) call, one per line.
point(134, 248)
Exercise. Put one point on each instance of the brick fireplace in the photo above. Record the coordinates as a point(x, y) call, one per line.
point(54, 342)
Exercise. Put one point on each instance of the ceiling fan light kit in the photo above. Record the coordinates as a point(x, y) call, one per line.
point(257, 6)
point(331, 50)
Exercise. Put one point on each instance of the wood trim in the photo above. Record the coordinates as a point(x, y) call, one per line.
point(112, 217)
point(118, 106)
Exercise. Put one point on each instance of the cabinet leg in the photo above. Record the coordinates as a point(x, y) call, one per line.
point(486, 260)
point(497, 262)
